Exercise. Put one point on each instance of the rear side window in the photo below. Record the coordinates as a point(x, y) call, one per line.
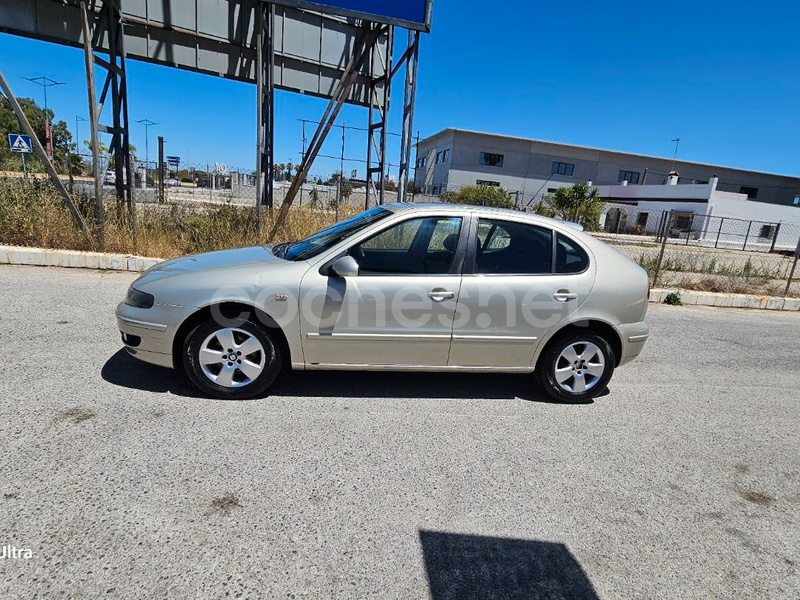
point(570, 257)
point(508, 248)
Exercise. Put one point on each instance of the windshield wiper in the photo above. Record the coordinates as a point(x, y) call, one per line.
point(281, 249)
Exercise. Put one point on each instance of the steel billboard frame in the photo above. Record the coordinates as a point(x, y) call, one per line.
point(424, 26)
point(362, 64)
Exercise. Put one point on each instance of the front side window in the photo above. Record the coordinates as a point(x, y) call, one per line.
point(423, 246)
point(505, 247)
point(491, 160)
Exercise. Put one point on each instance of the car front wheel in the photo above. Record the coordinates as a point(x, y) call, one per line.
point(576, 367)
point(231, 362)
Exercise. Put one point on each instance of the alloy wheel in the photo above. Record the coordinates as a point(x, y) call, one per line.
point(579, 367)
point(232, 357)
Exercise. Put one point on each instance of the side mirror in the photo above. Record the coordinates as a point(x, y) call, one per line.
point(345, 266)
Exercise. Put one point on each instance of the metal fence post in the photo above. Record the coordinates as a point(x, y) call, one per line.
point(667, 221)
point(775, 237)
point(747, 235)
point(688, 233)
point(794, 266)
point(719, 232)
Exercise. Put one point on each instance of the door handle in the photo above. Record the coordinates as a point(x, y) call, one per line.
point(565, 296)
point(440, 295)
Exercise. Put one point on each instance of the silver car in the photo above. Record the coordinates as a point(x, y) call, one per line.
point(403, 287)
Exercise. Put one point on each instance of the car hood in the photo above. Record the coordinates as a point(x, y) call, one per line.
point(211, 261)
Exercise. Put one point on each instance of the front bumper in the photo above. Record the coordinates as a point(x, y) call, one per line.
point(633, 336)
point(145, 336)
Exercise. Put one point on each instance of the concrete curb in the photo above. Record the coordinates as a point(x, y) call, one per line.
point(44, 257)
point(694, 298)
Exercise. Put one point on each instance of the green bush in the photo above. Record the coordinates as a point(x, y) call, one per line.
point(479, 195)
point(674, 299)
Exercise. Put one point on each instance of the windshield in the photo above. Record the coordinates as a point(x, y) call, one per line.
point(327, 238)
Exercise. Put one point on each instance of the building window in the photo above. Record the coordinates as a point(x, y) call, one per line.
point(491, 160)
point(438, 157)
point(682, 221)
point(641, 220)
point(767, 232)
point(446, 156)
point(551, 190)
point(751, 192)
point(489, 183)
point(561, 168)
point(629, 176)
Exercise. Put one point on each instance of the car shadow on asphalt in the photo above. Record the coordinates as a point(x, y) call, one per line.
point(125, 371)
point(461, 567)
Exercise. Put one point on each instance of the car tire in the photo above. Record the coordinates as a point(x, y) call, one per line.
point(576, 367)
point(232, 363)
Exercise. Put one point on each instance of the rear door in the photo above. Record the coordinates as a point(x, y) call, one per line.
point(519, 280)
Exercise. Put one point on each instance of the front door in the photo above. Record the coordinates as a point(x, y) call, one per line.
point(399, 309)
point(513, 291)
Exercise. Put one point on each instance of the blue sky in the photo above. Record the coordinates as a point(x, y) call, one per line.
point(630, 76)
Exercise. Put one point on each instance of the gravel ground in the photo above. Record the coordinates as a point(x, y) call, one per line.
point(682, 482)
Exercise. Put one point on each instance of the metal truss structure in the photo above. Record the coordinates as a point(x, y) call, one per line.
point(108, 33)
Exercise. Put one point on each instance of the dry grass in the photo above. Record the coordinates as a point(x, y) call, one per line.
point(33, 214)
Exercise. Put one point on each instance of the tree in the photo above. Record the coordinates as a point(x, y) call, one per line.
point(577, 203)
point(480, 195)
point(62, 138)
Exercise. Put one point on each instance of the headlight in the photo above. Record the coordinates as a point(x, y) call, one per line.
point(139, 299)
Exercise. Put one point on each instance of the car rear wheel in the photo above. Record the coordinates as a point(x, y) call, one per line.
point(231, 362)
point(576, 367)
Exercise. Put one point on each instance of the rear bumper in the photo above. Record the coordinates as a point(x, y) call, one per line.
point(633, 336)
point(144, 337)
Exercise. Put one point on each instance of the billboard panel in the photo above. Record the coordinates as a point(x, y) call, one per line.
point(214, 37)
point(414, 14)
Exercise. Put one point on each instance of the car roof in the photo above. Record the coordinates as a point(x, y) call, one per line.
point(500, 212)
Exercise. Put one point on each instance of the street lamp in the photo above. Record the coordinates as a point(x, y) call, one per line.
point(147, 125)
point(45, 82)
point(78, 132)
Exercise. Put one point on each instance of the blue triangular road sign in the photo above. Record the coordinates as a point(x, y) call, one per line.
point(20, 143)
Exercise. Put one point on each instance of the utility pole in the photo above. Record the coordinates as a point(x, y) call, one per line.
point(674, 156)
point(78, 119)
point(160, 168)
point(302, 158)
point(45, 82)
point(147, 125)
point(341, 174)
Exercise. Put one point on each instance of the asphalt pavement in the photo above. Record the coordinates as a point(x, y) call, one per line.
point(681, 482)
